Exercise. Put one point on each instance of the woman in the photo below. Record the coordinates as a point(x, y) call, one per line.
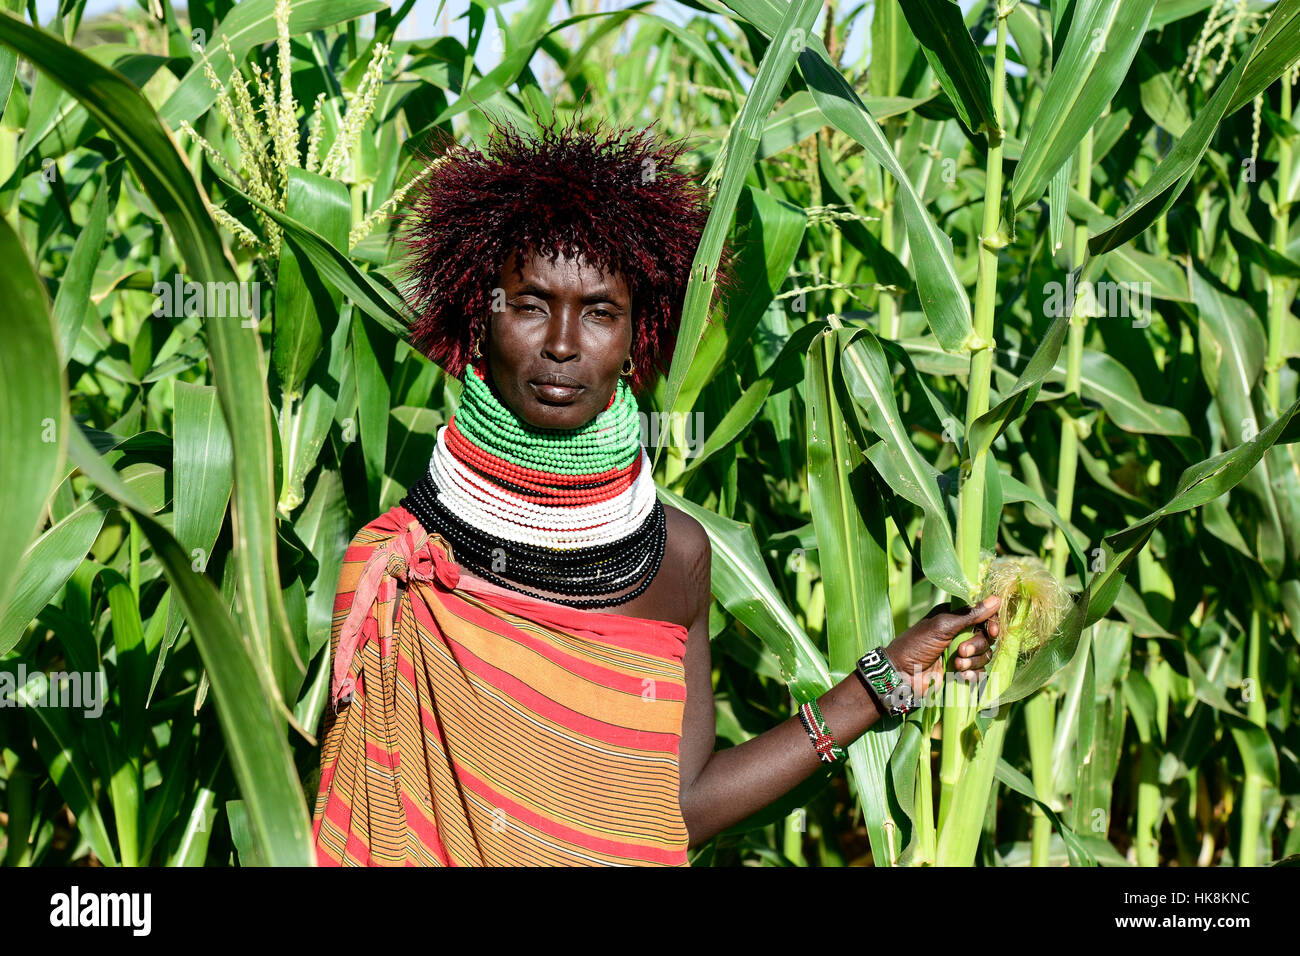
point(521, 647)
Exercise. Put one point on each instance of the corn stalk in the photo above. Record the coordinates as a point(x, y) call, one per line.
point(970, 509)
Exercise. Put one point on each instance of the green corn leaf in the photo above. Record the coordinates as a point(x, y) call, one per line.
point(190, 847)
point(780, 375)
point(59, 745)
point(948, 45)
point(737, 157)
point(893, 48)
point(793, 122)
point(202, 463)
point(371, 356)
point(1103, 39)
point(1101, 725)
point(1276, 49)
point(73, 298)
point(1168, 11)
point(166, 799)
point(773, 231)
point(1258, 755)
point(742, 585)
point(236, 354)
point(1077, 693)
point(122, 766)
point(1013, 490)
point(33, 409)
point(943, 296)
point(1058, 196)
point(1166, 280)
point(1233, 350)
point(1030, 27)
point(1107, 382)
point(51, 560)
point(303, 314)
point(1170, 178)
point(1078, 851)
point(887, 267)
point(8, 70)
point(130, 121)
point(992, 423)
point(306, 315)
point(66, 124)
point(866, 374)
point(850, 525)
point(1197, 485)
point(250, 721)
point(1161, 99)
point(903, 768)
point(334, 266)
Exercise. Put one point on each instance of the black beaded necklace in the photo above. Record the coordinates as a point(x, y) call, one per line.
point(521, 508)
point(526, 568)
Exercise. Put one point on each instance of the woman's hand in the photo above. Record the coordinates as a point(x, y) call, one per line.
point(918, 651)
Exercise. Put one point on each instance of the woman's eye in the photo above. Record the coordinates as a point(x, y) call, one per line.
point(529, 306)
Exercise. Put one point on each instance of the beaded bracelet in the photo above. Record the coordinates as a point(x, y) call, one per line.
point(819, 733)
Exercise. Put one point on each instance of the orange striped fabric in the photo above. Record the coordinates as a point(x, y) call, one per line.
point(490, 728)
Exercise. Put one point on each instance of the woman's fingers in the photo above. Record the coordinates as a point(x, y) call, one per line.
point(972, 663)
point(969, 618)
point(973, 653)
point(984, 610)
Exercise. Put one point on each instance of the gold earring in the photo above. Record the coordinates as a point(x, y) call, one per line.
point(478, 354)
point(628, 367)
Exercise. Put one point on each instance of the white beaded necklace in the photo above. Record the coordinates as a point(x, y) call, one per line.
point(500, 512)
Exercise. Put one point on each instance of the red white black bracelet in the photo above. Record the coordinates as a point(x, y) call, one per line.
point(819, 733)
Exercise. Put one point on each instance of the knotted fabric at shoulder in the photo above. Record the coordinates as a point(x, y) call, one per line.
point(409, 555)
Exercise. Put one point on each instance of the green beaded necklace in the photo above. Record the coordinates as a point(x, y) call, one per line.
point(611, 440)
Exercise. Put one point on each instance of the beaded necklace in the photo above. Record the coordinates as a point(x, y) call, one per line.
point(567, 511)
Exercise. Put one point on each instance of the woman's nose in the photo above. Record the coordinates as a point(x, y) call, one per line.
point(561, 335)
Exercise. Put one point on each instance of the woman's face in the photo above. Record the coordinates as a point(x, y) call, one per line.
point(557, 345)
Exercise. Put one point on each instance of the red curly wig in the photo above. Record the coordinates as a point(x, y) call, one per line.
point(622, 205)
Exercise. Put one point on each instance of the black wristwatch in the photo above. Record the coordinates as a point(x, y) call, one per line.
point(891, 689)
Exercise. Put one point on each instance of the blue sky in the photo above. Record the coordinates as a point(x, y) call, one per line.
point(422, 17)
point(425, 21)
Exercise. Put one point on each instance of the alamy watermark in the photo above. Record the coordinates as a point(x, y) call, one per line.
point(1105, 299)
point(131, 910)
point(684, 430)
point(208, 299)
point(78, 690)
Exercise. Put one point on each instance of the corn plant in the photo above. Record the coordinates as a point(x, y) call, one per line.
point(1019, 287)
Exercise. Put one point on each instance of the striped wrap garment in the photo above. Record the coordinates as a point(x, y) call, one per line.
point(473, 725)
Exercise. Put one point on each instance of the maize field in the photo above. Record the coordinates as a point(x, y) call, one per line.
point(1018, 316)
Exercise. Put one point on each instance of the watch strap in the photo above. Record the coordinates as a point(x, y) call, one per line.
point(891, 688)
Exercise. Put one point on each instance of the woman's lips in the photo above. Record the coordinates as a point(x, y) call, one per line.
point(559, 394)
